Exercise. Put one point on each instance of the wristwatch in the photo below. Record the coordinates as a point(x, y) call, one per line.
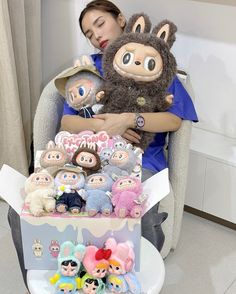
point(139, 121)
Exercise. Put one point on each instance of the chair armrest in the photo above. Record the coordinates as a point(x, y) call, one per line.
point(47, 116)
point(178, 156)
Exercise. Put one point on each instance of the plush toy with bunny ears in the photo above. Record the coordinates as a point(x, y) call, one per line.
point(142, 70)
point(122, 258)
point(69, 261)
point(79, 86)
point(40, 192)
point(53, 156)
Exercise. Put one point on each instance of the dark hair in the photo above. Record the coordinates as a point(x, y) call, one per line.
point(102, 5)
point(90, 281)
point(71, 262)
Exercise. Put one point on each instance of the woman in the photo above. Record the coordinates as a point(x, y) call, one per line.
point(102, 22)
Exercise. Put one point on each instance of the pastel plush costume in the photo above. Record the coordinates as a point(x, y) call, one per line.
point(91, 285)
point(96, 194)
point(69, 261)
point(124, 283)
point(40, 192)
point(127, 197)
point(95, 261)
point(122, 257)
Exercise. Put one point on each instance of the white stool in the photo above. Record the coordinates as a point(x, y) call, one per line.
point(151, 275)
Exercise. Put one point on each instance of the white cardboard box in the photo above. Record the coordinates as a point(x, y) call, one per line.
point(39, 232)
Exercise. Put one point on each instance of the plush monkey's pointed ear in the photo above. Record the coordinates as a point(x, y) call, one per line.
point(166, 30)
point(138, 23)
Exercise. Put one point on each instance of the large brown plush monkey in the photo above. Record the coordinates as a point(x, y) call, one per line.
point(143, 69)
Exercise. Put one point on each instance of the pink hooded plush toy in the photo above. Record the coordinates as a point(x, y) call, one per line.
point(122, 257)
point(127, 197)
point(96, 261)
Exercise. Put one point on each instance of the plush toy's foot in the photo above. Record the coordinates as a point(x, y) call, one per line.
point(61, 208)
point(92, 212)
point(106, 212)
point(38, 212)
point(136, 212)
point(122, 212)
point(75, 210)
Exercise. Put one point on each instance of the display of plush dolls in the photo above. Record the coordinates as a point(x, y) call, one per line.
point(40, 192)
point(79, 86)
point(96, 194)
point(91, 285)
point(144, 66)
point(69, 261)
point(121, 265)
point(53, 156)
point(86, 156)
point(69, 180)
point(127, 197)
point(121, 162)
point(96, 262)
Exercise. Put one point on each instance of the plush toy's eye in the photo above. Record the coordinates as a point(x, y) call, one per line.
point(149, 63)
point(98, 271)
point(49, 156)
point(65, 176)
point(90, 160)
point(120, 183)
point(74, 176)
point(46, 179)
point(92, 180)
point(58, 156)
point(81, 91)
point(130, 181)
point(82, 158)
point(120, 156)
point(100, 179)
point(37, 179)
point(117, 268)
point(127, 58)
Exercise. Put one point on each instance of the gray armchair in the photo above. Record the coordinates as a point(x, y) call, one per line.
point(47, 123)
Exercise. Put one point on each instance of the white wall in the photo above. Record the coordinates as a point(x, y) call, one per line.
point(205, 49)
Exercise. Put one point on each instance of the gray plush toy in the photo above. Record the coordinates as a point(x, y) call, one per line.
point(143, 69)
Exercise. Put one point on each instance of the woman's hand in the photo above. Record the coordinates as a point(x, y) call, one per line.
point(118, 124)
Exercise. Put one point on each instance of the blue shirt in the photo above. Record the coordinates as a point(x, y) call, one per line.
point(154, 157)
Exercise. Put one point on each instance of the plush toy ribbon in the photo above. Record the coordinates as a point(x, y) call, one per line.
point(102, 254)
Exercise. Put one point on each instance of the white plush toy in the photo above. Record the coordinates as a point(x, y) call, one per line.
point(40, 193)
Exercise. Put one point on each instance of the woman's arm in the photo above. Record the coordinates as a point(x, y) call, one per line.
point(117, 124)
point(76, 124)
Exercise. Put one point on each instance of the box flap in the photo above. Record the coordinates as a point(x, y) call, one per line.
point(12, 187)
point(156, 188)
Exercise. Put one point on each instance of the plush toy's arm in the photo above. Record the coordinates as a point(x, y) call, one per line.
point(54, 279)
point(83, 193)
point(109, 194)
point(78, 283)
point(28, 198)
point(100, 95)
point(141, 198)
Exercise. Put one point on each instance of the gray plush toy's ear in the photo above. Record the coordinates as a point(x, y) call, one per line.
point(166, 30)
point(138, 23)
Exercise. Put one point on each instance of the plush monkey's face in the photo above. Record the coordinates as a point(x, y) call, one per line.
point(86, 159)
point(81, 93)
point(119, 157)
point(53, 157)
point(138, 62)
point(125, 184)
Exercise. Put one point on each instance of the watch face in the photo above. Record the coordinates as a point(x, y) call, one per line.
point(140, 121)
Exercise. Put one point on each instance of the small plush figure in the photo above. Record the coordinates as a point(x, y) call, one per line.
point(53, 156)
point(79, 86)
point(69, 260)
point(54, 248)
point(119, 142)
point(127, 283)
point(69, 180)
point(121, 162)
point(96, 261)
point(86, 156)
point(40, 192)
point(142, 63)
point(122, 257)
point(96, 194)
point(91, 285)
point(105, 155)
point(127, 197)
point(37, 248)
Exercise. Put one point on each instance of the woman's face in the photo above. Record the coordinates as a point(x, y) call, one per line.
point(101, 28)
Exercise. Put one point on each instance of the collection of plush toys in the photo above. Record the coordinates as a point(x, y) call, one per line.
point(138, 69)
point(93, 269)
point(88, 182)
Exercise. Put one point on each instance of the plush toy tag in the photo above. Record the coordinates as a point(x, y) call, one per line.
point(71, 142)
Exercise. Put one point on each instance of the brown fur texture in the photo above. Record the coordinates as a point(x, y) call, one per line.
point(121, 92)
